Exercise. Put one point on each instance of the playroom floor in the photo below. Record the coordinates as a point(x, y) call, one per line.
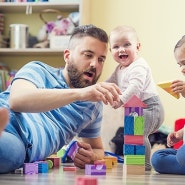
point(113, 176)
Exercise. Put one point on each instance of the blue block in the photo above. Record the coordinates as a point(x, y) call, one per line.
point(129, 125)
point(129, 149)
point(140, 149)
point(43, 167)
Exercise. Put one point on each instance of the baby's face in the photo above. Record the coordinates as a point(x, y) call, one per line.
point(124, 47)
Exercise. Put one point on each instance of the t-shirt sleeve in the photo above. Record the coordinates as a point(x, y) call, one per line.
point(93, 130)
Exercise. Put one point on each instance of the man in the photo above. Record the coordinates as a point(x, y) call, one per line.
point(48, 106)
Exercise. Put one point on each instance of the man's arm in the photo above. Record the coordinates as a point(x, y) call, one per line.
point(26, 97)
point(90, 150)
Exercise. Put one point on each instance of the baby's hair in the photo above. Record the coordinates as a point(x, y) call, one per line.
point(180, 43)
point(91, 31)
point(121, 28)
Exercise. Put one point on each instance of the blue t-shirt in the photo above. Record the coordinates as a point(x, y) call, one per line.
point(45, 133)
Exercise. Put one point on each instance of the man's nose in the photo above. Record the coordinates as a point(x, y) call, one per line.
point(94, 62)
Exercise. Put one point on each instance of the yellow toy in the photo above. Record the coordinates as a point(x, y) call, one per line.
point(166, 87)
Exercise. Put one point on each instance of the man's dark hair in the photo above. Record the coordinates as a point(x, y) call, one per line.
point(91, 31)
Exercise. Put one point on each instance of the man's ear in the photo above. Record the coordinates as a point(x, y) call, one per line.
point(66, 55)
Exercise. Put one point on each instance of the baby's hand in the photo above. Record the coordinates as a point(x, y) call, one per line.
point(117, 104)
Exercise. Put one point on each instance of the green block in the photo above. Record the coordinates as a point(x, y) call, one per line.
point(134, 159)
point(61, 152)
point(139, 125)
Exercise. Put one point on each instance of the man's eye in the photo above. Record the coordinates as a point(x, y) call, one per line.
point(101, 60)
point(87, 55)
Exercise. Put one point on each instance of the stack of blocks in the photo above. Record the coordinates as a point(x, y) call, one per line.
point(134, 149)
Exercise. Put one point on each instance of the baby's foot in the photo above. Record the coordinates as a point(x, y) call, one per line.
point(4, 116)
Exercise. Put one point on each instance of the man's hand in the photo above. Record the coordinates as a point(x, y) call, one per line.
point(85, 155)
point(103, 91)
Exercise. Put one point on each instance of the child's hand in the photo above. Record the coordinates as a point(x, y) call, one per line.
point(178, 86)
point(174, 137)
point(116, 104)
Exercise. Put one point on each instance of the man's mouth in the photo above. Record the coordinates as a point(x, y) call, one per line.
point(89, 74)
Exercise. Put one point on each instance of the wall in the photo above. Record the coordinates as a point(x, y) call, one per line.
point(159, 25)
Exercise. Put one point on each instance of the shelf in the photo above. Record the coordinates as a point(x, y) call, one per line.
point(36, 7)
point(30, 52)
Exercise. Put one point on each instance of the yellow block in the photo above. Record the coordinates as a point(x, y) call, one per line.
point(166, 86)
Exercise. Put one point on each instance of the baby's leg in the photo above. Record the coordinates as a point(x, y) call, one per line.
point(4, 117)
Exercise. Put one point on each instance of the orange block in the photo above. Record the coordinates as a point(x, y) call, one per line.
point(166, 86)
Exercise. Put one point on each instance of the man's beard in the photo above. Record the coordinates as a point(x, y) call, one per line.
point(76, 77)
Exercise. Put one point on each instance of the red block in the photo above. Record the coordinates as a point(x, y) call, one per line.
point(178, 125)
point(56, 161)
point(69, 168)
point(83, 180)
point(134, 139)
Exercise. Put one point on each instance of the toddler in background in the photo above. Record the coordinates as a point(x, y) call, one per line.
point(133, 76)
point(170, 160)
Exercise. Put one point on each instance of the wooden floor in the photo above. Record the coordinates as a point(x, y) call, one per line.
point(113, 176)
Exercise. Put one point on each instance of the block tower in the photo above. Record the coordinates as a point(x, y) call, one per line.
point(134, 149)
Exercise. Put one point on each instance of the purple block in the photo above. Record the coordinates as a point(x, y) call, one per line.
point(30, 168)
point(73, 150)
point(134, 111)
point(99, 169)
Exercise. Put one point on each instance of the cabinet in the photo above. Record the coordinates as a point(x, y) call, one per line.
point(28, 13)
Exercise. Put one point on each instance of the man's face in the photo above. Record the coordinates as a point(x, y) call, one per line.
point(85, 62)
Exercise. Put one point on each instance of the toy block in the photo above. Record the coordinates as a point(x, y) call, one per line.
point(84, 180)
point(30, 168)
point(73, 150)
point(133, 149)
point(108, 163)
point(53, 155)
point(69, 168)
point(133, 169)
point(50, 163)
point(166, 86)
point(42, 167)
point(113, 159)
point(139, 125)
point(134, 139)
point(133, 111)
point(134, 159)
point(134, 101)
point(129, 125)
point(61, 152)
point(70, 151)
point(102, 161)
point(56, 161)
point(140, 150)
point(91, 169)
point(128, 149)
